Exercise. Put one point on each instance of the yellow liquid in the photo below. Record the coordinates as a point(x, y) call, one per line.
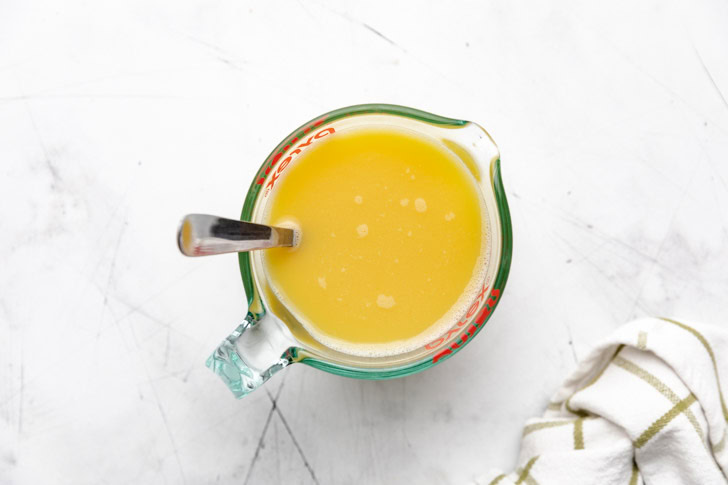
point(393, 236)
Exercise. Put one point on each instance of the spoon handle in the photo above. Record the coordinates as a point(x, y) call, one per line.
point(202, 235)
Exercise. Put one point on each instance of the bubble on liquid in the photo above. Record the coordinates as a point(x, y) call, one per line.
point(322, 282)
point(420, 205)
point(409, 233)
point(449, 216)
point(404, 202)
point(333, 234)
point(358, 199)
point(384, 301)
point(362, 230)
point(412, 177)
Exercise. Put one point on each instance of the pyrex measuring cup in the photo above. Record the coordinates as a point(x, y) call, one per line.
point(271, 338)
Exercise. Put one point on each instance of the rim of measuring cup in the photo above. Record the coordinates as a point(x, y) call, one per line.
point(506, 243)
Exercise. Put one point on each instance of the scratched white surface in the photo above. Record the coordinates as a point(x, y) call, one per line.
point(118, 118)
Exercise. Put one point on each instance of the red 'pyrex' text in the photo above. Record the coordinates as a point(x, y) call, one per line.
point(274, 169)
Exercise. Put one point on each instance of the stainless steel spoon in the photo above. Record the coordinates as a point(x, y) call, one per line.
point(201, 235)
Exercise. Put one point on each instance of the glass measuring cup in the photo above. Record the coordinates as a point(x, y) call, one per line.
point(271, 338)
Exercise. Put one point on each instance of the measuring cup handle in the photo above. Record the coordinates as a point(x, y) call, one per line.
point(255, 351)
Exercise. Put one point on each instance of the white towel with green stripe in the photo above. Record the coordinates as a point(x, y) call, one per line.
point(645, 407)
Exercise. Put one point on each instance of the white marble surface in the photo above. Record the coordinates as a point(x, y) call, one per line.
point(116, 118)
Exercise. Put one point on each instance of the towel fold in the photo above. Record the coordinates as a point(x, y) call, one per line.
point(645, 406)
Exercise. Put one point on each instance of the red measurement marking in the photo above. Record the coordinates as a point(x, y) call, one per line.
point(470, 331)
point(274, 160)
point(286, 161)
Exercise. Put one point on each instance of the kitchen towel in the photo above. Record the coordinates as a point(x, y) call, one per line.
point(644, 407)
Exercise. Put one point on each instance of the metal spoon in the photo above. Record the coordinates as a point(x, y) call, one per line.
point(201, 235)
